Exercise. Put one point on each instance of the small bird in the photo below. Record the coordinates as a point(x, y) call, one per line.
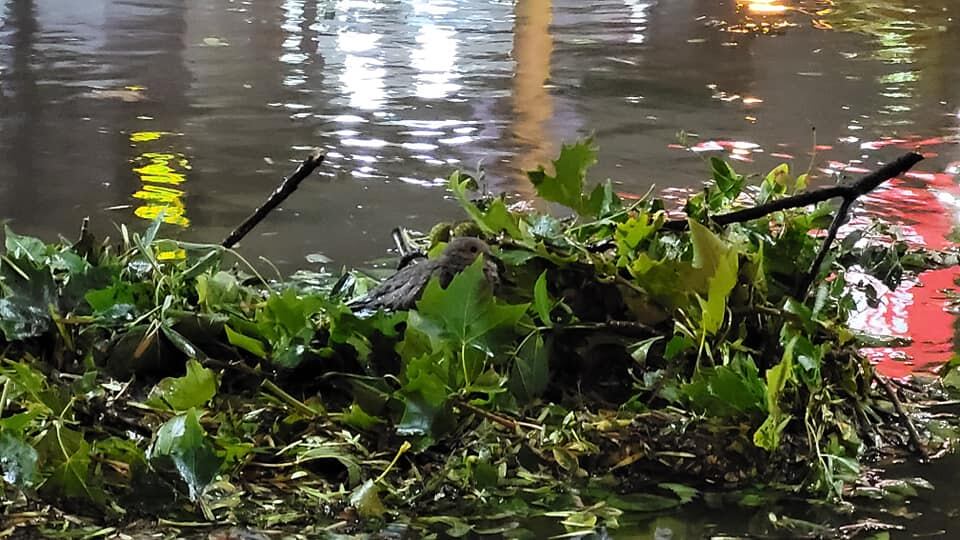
point(403, 289)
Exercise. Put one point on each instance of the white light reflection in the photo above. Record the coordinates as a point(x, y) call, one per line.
point(638, 16)
point(435, 61)
point(363, 75)
point(293, 55)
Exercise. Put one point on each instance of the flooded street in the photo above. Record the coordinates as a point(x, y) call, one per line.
point(118, 109)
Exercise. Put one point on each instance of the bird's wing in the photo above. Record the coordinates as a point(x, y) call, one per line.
point(399, 291)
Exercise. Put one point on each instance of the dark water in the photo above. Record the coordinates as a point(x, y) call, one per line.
point(118, 108)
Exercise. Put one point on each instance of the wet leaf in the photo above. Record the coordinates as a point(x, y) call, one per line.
point(31, 291)
point(183, 442)
point(24, 247)
point(366, 499)
point(18, 461)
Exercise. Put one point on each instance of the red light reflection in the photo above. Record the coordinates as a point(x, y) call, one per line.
point(917, 310)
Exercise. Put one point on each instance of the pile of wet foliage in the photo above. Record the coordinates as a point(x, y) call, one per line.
point(628, 361)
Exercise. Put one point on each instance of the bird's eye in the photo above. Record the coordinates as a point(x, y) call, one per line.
point(473, 249)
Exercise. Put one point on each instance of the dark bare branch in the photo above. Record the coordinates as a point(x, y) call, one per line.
point(284, 190)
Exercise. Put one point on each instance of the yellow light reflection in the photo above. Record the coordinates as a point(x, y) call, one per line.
point(532, 102)
point(766, 7)
point(761, 17)
point(158, 171)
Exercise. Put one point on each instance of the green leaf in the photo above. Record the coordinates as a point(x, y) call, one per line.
point(708, 248)
point(366, 499)
point(24, 247)
point(31, 291)
point(541, 299)
point(251, 345)
point(194, 389)
point(181, 342)
point(531, 370)
point(496, 219)
point(150, 234)
point(714, 308)
point(727, 391)
point(116, 300)
point(465, 315)
point(775, 183)
point(183, 442)
point(643, 502)
point(603, 201)
point(729, 183)
point(219, 289)
point(640, 350)
point(357, 418)
point(566, 185)
point(205, 262)
point(18, 461)
point(684, 492)
point(66, 456)
point(317, 448)
point(455, 527)
point(21, 319)
point(768, 434)
point(424, 393)
point(635, 230)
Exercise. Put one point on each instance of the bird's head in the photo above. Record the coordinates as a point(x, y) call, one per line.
point(463, 250)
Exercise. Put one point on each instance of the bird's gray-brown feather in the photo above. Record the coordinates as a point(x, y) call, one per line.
point(403, 289)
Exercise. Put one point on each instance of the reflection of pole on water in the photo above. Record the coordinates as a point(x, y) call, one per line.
point(532, 103)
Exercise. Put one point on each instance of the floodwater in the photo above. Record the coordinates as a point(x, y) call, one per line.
point(118, 109)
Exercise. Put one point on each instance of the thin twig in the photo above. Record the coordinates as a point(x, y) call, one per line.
point(898, 406)
point(293, 402)
point(287, 187)
point(508, 423)
point(625, 328)
point(849, 191)
point(838, 219)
